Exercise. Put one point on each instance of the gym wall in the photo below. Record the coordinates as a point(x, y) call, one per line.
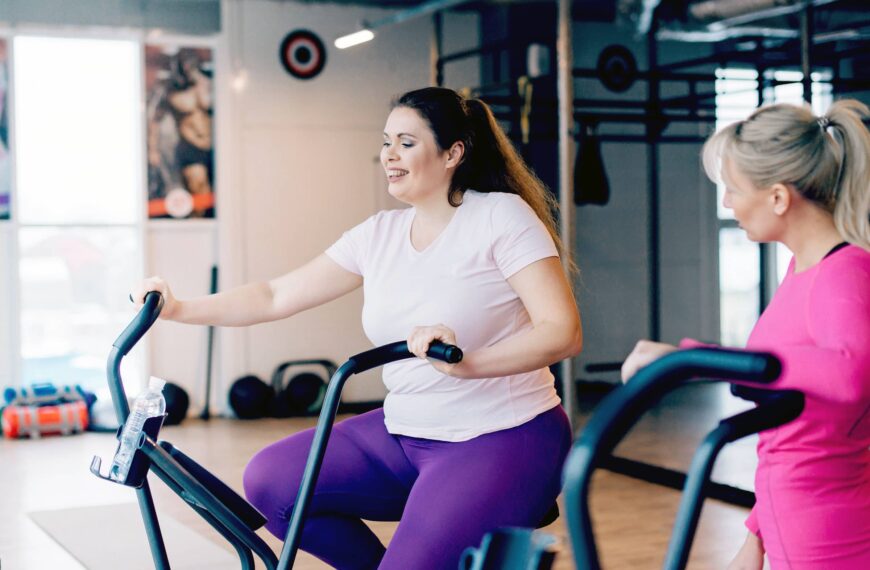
point(611, 241)
point(297, 161)
point(183, 251)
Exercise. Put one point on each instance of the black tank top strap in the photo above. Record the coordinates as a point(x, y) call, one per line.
point(836, 248)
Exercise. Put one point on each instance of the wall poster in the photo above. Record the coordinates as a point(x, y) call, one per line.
point(179, 96)
point(5, 161)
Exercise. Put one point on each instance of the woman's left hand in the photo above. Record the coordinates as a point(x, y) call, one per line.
point(420, 339)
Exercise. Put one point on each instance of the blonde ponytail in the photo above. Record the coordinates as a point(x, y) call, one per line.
point(852, 210)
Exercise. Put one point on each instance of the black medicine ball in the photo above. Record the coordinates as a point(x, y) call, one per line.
point(250, 398)
point(303, 395)
point(177, 403)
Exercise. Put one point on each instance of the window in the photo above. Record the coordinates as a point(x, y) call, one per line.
point(749, 272)
point(79, 172)
point(739, 261)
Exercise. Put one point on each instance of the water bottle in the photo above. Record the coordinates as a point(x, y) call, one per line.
point(147, 404)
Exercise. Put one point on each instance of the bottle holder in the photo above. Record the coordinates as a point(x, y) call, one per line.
point(141, 463)
point(512, 548)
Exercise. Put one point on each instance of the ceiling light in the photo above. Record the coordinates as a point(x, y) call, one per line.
point(366, 33)
point(355, 38)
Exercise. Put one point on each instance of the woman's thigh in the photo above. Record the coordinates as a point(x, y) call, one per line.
point(464, 490)
point(364, 472)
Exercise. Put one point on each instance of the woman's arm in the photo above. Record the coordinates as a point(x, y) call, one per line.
point(317, 282)
point(836, 366)
point(556, 331)
point(750, 556)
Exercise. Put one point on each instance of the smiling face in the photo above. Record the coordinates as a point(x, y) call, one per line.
point(417, 170)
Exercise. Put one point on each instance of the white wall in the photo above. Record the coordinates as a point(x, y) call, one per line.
point(296, 167)
point(183, 251)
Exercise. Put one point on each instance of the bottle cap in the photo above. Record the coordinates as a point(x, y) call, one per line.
point(156, 384)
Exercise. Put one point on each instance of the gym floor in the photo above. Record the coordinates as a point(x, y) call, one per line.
point(632, 518)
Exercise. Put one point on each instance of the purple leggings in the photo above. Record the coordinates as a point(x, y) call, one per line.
point(447, 495)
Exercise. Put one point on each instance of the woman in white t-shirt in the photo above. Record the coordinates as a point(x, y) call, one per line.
point(458, 450)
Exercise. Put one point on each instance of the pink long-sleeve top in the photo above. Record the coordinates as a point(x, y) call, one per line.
point(813, 480)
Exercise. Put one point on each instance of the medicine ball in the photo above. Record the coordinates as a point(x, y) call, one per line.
point(250, 398)
point(303, 395)
point(177, 403)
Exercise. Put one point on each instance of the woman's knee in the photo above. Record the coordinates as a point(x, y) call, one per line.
point(273, 471)
point(258, 479)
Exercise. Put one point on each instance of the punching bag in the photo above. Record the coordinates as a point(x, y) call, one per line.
point(590, 179)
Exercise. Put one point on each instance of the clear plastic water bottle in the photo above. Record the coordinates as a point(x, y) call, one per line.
point(147, 404)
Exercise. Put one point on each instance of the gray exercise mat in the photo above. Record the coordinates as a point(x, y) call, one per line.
point(110, 537)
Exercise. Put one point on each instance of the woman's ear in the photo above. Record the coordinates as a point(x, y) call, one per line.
point(455, 154)
point(781, 195)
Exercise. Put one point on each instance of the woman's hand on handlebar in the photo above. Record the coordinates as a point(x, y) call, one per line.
point(170, 303)
point(645, 351)
point(420, 339)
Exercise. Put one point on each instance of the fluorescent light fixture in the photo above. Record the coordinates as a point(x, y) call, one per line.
point(367, 31)
point(353, 39)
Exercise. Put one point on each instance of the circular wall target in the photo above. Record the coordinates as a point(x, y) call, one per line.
point(303, 54)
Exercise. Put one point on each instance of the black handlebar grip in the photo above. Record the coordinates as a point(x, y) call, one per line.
point(141, 322)
point(153, 303)
point(446, 352)
point(734, 364)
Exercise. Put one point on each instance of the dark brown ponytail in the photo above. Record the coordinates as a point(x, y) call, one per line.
point(490, 163)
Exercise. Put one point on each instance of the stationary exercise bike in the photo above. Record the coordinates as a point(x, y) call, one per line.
point(523, 549)
point(507, 549)
point(224, 509)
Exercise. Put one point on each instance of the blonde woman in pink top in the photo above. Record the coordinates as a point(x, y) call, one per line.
point(804, 181)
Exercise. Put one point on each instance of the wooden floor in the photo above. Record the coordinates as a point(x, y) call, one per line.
point(632, 518)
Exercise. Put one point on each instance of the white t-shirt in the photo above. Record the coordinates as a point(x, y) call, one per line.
point(459, 280)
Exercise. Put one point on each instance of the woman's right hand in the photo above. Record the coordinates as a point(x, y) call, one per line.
point(170, 303)
point(750, 556)
point(645, 351)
